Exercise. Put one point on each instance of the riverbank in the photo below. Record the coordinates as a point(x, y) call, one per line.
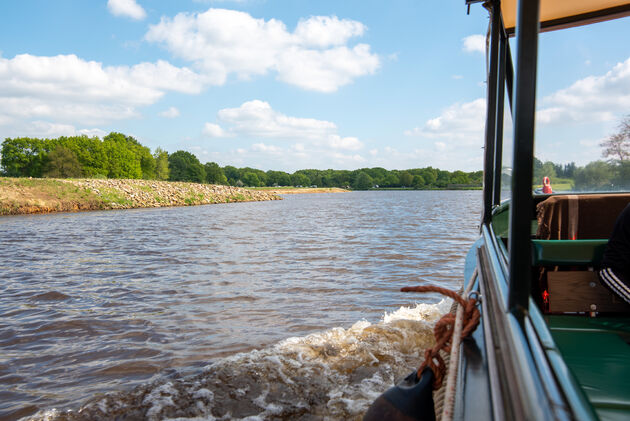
point(299, 190)
point(42, 195)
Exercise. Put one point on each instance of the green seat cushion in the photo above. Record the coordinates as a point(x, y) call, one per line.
point(597, 352)
point(568, 252)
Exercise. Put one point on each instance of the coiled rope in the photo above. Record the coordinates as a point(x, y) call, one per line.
point(449, 331)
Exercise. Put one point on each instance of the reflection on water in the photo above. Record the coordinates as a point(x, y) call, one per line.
point(292, 292)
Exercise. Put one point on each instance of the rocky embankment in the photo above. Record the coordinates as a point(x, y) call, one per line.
point(25, 195)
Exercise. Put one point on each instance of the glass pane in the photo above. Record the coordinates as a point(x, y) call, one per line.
point(583, 106)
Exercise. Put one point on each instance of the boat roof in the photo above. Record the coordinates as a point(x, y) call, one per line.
point(559, 14)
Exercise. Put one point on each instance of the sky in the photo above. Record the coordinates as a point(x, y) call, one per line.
point(295, 84)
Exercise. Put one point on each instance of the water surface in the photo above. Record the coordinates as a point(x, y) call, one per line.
point(182, 304)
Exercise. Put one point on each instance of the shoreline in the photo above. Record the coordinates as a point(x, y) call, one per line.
point(23, 196)
point(298, 190)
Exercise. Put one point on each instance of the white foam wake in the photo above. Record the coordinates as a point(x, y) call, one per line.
point(334, 374)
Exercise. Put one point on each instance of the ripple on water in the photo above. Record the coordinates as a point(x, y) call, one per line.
point(118, 301)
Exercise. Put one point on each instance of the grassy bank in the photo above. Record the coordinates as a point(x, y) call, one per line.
point(40, 195)
point(298, 190)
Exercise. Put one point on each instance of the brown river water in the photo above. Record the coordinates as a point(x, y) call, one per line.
point(269, 310)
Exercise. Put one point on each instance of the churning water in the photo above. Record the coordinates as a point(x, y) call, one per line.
point(270, 310)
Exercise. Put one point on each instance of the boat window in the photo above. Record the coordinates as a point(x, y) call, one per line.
point(507, 155)
point(583, 110)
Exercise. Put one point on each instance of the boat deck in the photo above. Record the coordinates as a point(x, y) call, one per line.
point(597, 350)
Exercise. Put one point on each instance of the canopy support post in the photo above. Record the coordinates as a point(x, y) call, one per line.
point(521, 208)
point(498, 154)
point(491, 112)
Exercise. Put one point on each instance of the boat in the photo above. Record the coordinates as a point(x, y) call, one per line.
point(552, 343)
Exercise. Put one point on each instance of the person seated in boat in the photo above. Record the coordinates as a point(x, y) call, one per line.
point(546, 186)
point(615, 272)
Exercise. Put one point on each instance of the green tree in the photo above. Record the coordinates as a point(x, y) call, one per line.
point(122, 161)
point(232, 174)
point(299, 179)
point(62, 163)
point(185, 166)
point(89, 151)
point(251, 179)
point(597, 175)
point(547, 169)
point(418, 182)
point(214, 173)
point(161, 164)
point(278, 178)
point(430, 175)
point(443, 178)
point(363, 181)
point(23, 157)
point(406, 179)
point(459, 177)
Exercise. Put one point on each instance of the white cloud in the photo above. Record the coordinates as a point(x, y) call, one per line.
point(474, 44)
point(324, 31)
point(172, 112)
point(220, 43)
point(47, 129)
point(261, 147)
point(127, 8)
point(72, 90)
point(592, 99)
point(347, 143)
point(214, 130)
point(256, 118)
point(459, 121)
point(291, 142)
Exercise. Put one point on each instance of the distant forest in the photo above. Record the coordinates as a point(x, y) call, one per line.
point(121, 156)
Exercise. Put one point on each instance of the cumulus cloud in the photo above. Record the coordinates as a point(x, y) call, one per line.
point(257, 119)
point(315, 56)
point(126, 8)
point(71, 90)
point(47, 129)
point(214, 130)
point(171, 112)
point(464, 121)
point(291, 142)
point(474, 44)
point(592, 99)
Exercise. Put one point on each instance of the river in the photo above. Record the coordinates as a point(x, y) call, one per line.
point(286, 309)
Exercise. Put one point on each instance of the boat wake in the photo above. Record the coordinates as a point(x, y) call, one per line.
point(335, 374)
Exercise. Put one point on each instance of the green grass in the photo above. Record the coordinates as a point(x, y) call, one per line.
point(113, 196)
point(193, 198)
point(238, 197)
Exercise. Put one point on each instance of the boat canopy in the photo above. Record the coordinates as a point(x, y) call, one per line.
point(558, 14)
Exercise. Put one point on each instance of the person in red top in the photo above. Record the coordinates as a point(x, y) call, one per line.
point(546, 186)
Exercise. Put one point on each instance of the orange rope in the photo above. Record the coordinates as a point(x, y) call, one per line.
point(443, 331)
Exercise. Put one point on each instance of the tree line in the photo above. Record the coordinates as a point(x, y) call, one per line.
point(613, 173)
point(121, 156)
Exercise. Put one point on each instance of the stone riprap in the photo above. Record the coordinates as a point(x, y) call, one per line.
point(23, 196)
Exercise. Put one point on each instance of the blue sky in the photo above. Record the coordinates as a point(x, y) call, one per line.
point(295, 84)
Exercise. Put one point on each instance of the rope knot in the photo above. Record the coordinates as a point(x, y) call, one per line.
point(443, 330)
